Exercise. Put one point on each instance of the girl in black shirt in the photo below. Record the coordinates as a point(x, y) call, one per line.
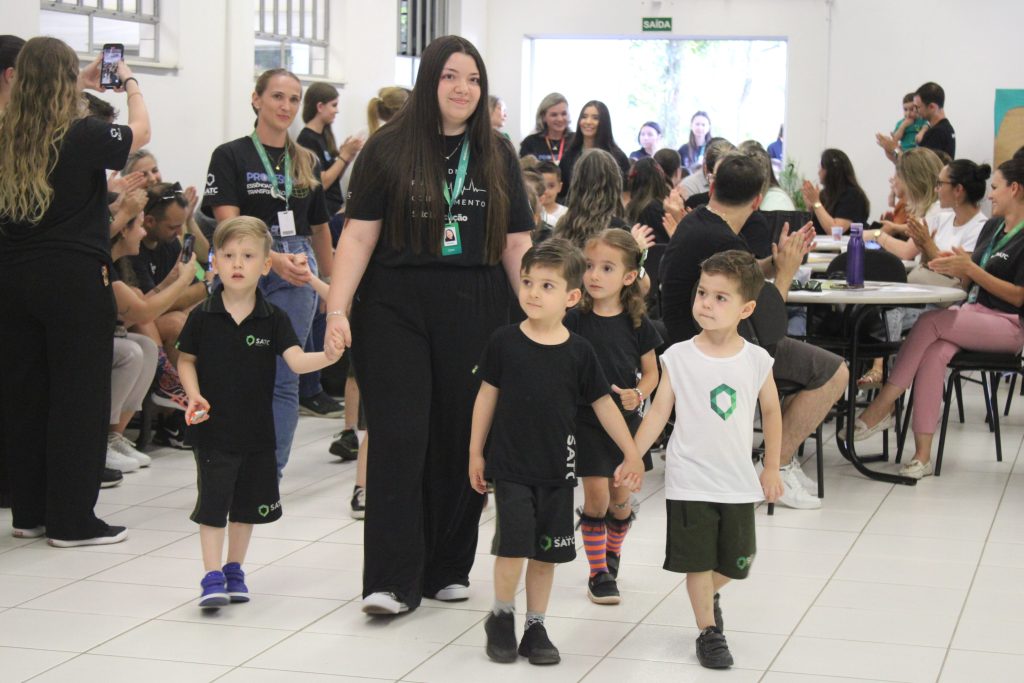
point(595, 131)
point(692, 153)
point(424, 309)
point(58, 318)
point(553, 134)
point(649, 138)
point(839, 201)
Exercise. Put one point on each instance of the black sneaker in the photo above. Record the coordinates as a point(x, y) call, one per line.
point(501, 637)
point(358, 502)
point(602, 590)
point(612, 560)
point(718, 615)
point(172, 432)
point(111, 478)
point(536, 646)
point(712, 650)
point(346, 445)
point(320, 405)
point(112, 534)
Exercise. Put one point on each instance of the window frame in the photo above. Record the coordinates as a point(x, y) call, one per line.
point(287, 38)
point(120, 14)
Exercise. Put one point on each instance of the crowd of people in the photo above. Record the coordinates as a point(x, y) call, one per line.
point(505, 329)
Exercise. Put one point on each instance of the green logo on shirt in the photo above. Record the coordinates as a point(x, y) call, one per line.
point(253, 341)
point(250, 340)
point(723, 401)
point(546, 542)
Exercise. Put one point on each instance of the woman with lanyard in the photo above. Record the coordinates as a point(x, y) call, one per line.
point(989, 321)
point(433, 269)
point(268, 176)
point(552, 136)
point(57, 308)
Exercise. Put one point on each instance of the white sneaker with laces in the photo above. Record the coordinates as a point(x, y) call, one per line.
point(121, 463)
point(453, 593)
point(805, 481)
point(915, 469)
point(122, 445)
point(794, 494)
point(383, 603)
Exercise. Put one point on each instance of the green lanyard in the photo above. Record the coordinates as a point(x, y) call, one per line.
point(993, 246)
point(275, 189)
point(460, 179)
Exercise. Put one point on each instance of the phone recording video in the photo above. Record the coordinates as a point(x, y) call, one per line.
point(188, 244)
point(112, 54)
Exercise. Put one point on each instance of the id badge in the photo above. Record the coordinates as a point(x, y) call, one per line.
point(972, 296)
point(286, 223)
point(451, 242)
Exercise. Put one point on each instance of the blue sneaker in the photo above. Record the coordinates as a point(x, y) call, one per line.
point(214, 593)
point(235, 577)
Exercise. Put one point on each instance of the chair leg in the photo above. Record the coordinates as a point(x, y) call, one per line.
point(771, 508)
point(1009, 393)
point(994, 403)
point(907, 410)
point(959, 398)
point(953, 381)
point(819, 451)
point(986, 383)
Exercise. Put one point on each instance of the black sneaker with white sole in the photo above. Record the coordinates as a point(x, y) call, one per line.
point(112, 534)
point(111, 478)
point(172, 432)
point(713, 650)
point(501, 637)
point(345, 445)
point(320, 405)
point(358, 502)
point(602, 589)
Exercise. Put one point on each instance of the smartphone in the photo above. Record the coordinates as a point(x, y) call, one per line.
point(188, 244)
point(112, 54)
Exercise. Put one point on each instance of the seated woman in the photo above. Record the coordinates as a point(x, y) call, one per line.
point(916, 184)
point(649, 138)
point(988, 321)
point(839, 201)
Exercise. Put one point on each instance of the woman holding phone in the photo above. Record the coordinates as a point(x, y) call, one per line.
point(58, 320)
point(422, 307)
point(267, 175)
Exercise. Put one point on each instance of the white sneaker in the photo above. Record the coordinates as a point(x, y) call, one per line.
point(383, 603)
point(453, 593)
point(122, 445)
point(915, 469)
point(34, 532)
point(121, 463)
point(805, 481)
point(794, 494)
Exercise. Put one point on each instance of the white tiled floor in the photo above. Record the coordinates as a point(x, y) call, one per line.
point(884, 583)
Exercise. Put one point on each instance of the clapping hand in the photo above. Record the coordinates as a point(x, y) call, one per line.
point(956, 263)
point(918, 231)
point(643, 235)
point(811, 193)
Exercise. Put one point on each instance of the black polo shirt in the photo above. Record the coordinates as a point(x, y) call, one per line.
point(236, 365)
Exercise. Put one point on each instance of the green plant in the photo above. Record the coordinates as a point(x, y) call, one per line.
point(792, 182)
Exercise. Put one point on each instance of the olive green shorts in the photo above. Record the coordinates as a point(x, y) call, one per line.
point(706, 536)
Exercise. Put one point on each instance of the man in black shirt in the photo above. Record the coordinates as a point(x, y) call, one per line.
point(710, 229)
point(930, 100)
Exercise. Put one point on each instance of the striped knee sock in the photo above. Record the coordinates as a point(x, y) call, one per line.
point(594, 540)
point(617, 530)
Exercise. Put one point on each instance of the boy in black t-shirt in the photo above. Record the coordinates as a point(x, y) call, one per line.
point(534, 376)
point(229, 346)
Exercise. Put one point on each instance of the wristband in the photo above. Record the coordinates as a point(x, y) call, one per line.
point(130, 78)
point(639, 394)
point(336, 313)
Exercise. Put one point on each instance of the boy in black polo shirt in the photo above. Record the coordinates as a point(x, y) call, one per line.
point(534, 375)
point(229, 347)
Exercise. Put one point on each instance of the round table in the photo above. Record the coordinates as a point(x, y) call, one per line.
point(829, 243)
point(820, 260)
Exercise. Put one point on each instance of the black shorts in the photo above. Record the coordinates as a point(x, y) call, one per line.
point(596, 453)
point(239, 486)
point(704, 536)
point(534, 522)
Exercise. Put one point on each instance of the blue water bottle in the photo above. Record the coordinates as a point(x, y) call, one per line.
point(855, 257)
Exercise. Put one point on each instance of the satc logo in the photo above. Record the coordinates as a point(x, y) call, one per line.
point(256, 341)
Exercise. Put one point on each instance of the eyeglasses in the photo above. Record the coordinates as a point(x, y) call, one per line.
point(173, 192)
point(809, 286)
point(944, 182)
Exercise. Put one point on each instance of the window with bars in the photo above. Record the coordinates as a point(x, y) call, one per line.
point(419, 22)
point(292, 34)
point(86, 25)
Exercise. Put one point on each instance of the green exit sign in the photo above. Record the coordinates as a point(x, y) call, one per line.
point(657, 23)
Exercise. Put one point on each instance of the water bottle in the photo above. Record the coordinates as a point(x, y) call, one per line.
point(855, 257)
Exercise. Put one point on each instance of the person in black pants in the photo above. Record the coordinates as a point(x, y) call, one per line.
point(58, 312)
point(424, 309)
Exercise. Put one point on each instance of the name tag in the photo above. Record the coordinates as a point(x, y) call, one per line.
point(451, 242)
point(286, 223)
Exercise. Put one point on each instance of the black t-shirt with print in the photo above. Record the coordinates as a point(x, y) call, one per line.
point(545, 150)
point(237, 178)
point(700, 234)
point(941, 136)
point(850, 205)
point(619, 345)
point(236, 365)
point(151, 266)
point(369, 199)
point(532, 439)
point(317, 144)
point(78, 218)
point(1006, 264)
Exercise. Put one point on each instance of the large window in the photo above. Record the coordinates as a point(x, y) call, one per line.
point(419, 22)
point(292, 34)
point(86, 25)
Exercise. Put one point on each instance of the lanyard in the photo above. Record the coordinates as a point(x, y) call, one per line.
point(994, 246)
point(561, 146)
point(460, 178)
point(275, 189)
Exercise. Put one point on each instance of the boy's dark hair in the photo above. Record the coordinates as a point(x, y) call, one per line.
point(669, 161)
point(738, 180)
point(932, 93)
point(909, 97)
point(740, 267)
point(561, 254)
point(548, 167)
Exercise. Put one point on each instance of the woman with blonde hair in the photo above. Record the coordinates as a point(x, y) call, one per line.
point(57, 309)
point(553, 134)
point(268, 176)
point(382, 108)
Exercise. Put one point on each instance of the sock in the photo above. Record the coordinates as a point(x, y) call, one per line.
point(534, 618)
point(617, 530)
point(501, 607)
point(594, 543)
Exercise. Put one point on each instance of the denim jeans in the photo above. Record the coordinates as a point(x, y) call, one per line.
point(300, 305)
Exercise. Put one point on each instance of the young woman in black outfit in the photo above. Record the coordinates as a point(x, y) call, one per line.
point(58, 312)
point(595, 130)
point(424, 309)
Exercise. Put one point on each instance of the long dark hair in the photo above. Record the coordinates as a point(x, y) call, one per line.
point(411, 149)
point(595, 197)
point(320, 93)
point(603, 139)
point(646, 184)
point(694, 143)
point(839, 176)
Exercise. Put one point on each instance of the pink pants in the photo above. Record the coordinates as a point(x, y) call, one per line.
point(935, 339)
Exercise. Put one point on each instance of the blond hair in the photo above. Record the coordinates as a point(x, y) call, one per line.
point(304, 160)
point(241, 227)
point(45, 101)
point(384, 106)
point(919, 169)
